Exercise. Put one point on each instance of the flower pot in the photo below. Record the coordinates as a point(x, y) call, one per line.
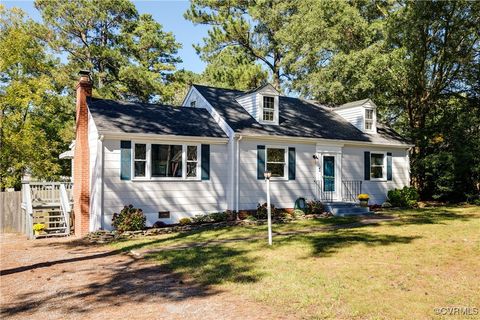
point(38, 232)
point(364, 203)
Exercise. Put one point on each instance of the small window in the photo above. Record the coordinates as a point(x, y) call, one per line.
point(377, 165)
point(192, 161)
point(276, 162)
point(166, 160)
point(140, 160)
point(193, 104)
point(268, 108)
point(368, 119)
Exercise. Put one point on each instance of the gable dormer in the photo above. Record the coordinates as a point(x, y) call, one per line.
point(362, 114)
point(262, 104)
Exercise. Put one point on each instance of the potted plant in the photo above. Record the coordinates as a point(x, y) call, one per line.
point(363, 197)
point(38, 228)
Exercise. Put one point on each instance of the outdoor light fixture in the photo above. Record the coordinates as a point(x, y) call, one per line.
point(267, 174)
point(315, 157)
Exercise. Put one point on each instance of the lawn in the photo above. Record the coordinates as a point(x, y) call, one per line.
point(396, 269)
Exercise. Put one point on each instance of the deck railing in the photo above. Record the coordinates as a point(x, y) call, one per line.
point(49, 203)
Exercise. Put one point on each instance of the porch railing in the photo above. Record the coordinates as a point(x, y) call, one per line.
point(321, 194)
point(351, 189)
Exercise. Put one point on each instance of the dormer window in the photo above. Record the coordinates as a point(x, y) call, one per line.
point(268, 108)
point(369, 118)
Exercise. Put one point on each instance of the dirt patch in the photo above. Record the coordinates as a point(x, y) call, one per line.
point(64, 278)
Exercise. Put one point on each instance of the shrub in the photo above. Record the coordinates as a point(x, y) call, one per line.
point(386, 204)
point(201, 218)
point(129, 219)
point(406, 197)
point(218, 216)
point(262, 211)
point(297, 213)
point(185, 221)
point(159, 224)
point(314, 207)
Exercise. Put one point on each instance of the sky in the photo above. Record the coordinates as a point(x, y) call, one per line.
point(167, 12)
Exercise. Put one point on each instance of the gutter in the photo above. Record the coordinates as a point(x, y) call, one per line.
point(327, 141)
point(163, 137)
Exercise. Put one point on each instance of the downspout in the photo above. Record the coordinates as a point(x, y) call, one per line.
point(102, 163)
point(237, 182)
point(231, 202)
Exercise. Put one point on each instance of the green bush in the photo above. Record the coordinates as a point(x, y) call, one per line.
point(129, 219)
point(406, 197)
point(262, 211)
point(218, 216)
point(297, 213)
point(314, 207)
point(185, 221)
point(201, 218)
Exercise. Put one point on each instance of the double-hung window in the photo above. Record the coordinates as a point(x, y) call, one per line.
point(369, 118)
point(192, 161)
point(268, 108)
point(140, 160)
point(377, 166)
point(276, 161)
point(169, 161)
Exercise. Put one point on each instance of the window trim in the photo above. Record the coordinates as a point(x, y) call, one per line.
point(384, 170)
point(274, 109)
point(285, 167)
point(365, 120)
point(133, 155)
point(148, 169)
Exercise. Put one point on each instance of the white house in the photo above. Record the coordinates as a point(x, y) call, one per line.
point(210, 154)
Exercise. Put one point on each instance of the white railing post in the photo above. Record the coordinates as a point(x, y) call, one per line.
point(65, 204)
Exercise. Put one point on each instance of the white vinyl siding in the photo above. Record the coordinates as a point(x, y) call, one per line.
point(353, 115)
point(183, 198)
point(353, 169)
point(95, 159)
point(284, 192)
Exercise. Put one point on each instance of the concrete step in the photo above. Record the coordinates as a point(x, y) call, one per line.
point(346, 209)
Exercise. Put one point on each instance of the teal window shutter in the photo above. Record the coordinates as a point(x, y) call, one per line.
point(366, 165)
point(291, 163)
point(260, 162)
point(389, 166)
point(205, 162)
point(125, 160)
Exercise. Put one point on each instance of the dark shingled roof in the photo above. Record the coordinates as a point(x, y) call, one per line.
point(129, 117)
point(298, 118)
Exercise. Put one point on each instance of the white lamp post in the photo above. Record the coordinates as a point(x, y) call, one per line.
point(268, 175)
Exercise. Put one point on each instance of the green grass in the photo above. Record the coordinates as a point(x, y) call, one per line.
point(399, 269)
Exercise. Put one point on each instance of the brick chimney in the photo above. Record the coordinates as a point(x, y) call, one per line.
point(81, 161)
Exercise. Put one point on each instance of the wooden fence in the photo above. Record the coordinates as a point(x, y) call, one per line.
point(12, 217)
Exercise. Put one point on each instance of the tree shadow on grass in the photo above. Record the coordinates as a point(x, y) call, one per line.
point(328, 243)
point(430, 216)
